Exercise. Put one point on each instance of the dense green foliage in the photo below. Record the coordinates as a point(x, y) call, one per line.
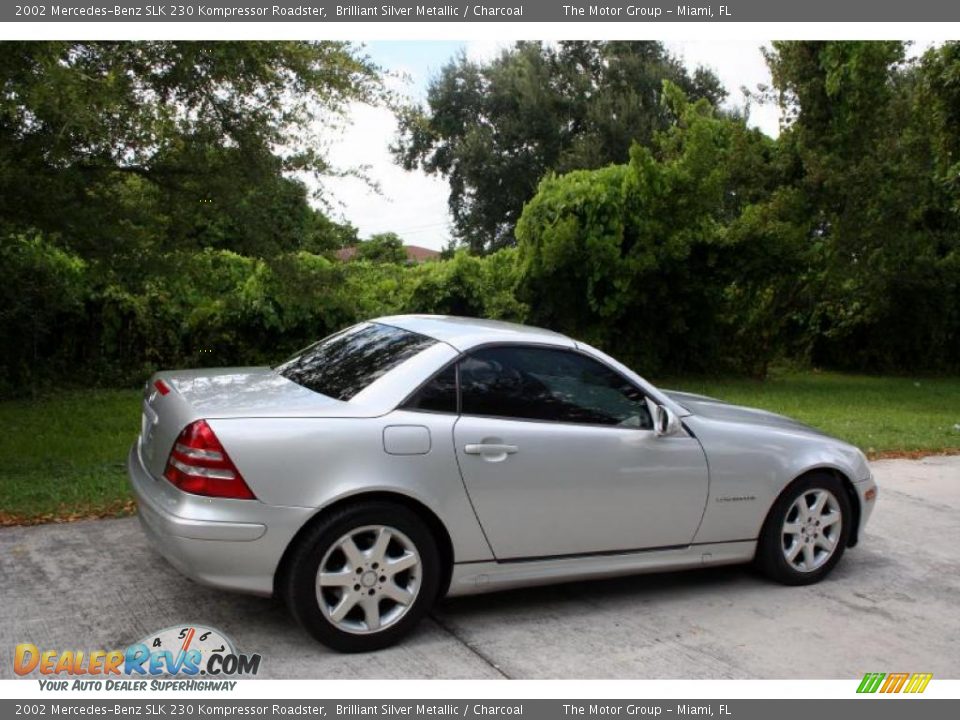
point(494, 129)
point(125, 166)
point(647, 259)
point(873, 144)
point(148, 217)
point(382, 247)
point(215, 307)
point(718, 249)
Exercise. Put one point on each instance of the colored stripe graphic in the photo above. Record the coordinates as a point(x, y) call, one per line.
point(894, 682)
point(870, 682)
point(918, 682)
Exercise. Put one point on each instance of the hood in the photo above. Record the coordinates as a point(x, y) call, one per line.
point(714, 409)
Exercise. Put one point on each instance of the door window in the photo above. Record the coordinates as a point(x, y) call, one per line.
point(554, 385)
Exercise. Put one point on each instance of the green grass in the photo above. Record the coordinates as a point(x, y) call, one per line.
point(64, 455)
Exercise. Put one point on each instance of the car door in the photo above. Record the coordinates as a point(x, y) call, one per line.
point(558, 456)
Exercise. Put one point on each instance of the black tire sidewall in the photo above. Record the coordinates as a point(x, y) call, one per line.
point(300, 588)
point(770, 555)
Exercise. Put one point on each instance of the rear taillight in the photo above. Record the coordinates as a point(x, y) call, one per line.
point(198, 464)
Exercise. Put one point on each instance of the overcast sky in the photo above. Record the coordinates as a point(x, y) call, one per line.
point(413, 204)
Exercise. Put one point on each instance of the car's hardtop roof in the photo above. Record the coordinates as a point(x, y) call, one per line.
point(464, 333)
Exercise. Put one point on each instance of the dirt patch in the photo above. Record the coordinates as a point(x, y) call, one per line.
point(911, 454)
point(120, 508)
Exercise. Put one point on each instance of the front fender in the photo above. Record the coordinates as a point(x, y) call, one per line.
point(750, 466)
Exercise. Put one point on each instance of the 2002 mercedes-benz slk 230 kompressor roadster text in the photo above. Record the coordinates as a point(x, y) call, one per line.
point(415, 456)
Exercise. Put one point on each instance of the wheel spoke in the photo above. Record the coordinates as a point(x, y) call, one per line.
point(343, 607)
point(398, 565)
point(803, 509)
point(378, 552)
point(828, 520)
point(337, 579)
point(371, 612)
point(791, 528)
point(397, 593)
point(793, 551)
point(817, 509)
point(825, 542)
point(350, 549)
point(808, 556)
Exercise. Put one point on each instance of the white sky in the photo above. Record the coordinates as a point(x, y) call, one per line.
point(413, 204)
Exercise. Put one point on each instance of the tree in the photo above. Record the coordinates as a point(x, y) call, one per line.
point(383, 248)
point(640, 258)
point(495, 129)
point(108, 146)
point(871, 138)
point(325, 236)
point(938, 100)
point(43, 289)
point(467, 285)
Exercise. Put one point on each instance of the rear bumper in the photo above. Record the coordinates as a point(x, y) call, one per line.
point(231, 544)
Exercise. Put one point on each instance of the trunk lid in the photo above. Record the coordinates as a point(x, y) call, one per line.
point(247, 392)
point(250, 392)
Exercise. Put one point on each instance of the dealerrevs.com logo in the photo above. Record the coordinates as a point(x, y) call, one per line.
point(186, 652)
point(894, 682)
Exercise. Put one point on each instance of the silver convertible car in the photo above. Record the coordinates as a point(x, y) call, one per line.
point(412, 457)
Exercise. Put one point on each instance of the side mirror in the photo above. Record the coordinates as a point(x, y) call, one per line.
point(664, 421)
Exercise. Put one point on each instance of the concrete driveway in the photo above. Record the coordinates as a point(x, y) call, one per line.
point(893, 603)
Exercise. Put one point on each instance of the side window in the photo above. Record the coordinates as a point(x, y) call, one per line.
point(532, 383)
point(438, 395)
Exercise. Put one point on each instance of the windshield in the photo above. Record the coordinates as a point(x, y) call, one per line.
point(343, 364)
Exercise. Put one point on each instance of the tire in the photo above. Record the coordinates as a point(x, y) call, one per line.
point(808, 540)
point(359, 582)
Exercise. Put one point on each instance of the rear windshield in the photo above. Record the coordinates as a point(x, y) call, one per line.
point(342, 365)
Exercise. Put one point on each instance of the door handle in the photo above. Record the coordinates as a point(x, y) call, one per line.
point(490, 449)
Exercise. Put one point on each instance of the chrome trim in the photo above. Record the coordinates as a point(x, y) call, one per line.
point(197, 453)
point(197, 470)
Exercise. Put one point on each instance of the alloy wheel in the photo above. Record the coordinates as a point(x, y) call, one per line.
point(368, 579)
point(811, 530)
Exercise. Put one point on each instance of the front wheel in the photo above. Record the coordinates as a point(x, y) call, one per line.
point(806, 531)
point(364, 577)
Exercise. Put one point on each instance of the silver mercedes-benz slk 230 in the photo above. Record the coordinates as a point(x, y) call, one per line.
point(412, 457)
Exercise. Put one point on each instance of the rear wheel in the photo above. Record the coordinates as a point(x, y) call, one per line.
point(362, 579)
point(807, 530)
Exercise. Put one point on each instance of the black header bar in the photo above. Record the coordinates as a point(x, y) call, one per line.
point(322, 11)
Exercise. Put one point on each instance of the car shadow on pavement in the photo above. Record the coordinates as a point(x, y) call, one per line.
point(642, 588)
